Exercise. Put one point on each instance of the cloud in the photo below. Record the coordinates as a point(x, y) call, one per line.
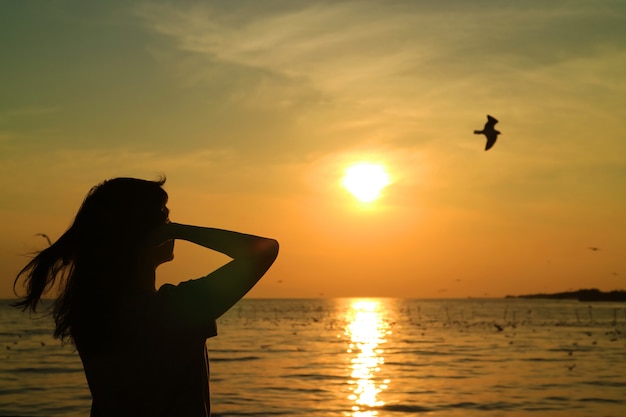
point(17, 124)
point(293, 82)
point(378, 64)
point(340, 43)
point(18, 113)
point(66, 172)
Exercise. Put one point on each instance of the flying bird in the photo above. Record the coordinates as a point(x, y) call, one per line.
point(489, 131)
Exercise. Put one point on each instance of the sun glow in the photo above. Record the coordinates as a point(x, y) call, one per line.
point(366, 180)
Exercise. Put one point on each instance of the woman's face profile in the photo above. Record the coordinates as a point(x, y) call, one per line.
point(165, 251)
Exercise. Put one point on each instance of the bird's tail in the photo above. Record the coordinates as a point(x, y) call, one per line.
point(478, 132)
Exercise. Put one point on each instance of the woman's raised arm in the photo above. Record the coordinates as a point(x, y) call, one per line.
point(251, 258)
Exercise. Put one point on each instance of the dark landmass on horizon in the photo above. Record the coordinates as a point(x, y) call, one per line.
point(591, 294)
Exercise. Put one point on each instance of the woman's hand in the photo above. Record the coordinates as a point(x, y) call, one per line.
point(162, 234)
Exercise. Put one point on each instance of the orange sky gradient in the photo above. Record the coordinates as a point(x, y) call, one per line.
point(254, 113)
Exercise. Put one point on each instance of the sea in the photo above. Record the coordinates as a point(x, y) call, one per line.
point(365, 357)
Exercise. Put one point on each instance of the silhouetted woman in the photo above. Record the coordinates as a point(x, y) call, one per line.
point(143, 350)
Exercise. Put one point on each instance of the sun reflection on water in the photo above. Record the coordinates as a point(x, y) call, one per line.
point(366, 330)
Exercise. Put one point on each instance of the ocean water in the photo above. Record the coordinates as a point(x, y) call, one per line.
point(365, 358)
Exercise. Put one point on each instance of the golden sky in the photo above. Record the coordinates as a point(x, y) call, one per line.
point(255, 109)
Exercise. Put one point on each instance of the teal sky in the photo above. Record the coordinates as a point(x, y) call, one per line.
point(253, 109)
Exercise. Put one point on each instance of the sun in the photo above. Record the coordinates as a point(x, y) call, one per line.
point(366, 180)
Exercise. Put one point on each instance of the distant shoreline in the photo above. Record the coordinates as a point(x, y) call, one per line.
point(591, 294)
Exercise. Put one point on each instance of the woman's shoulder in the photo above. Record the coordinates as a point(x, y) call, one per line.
point(181, 305)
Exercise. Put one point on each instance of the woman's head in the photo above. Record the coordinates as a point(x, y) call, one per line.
point(97, 257)
point(119, 214)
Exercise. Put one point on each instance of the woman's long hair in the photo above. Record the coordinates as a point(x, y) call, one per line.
point(94, 261)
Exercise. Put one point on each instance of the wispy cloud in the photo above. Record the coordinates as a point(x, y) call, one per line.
point(16, 113)
point(354, 41)
point(379, 64)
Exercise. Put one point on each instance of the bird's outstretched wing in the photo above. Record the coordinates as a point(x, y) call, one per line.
point(491, 139)
point(491, 123)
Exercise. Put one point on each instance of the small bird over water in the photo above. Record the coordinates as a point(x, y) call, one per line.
point(489, 131)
